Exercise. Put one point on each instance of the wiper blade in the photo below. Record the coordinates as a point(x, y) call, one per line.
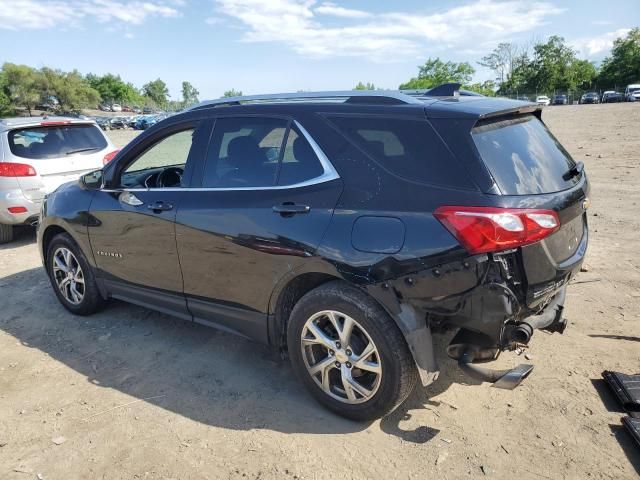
point(574, 171)
point(78, 150)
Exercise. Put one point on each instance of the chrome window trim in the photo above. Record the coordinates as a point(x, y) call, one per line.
point(328, 175)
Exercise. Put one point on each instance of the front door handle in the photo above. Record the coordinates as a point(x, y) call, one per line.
point(160, 207)
point(288, 209)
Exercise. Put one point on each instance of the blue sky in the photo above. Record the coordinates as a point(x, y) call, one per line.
point(288, 45)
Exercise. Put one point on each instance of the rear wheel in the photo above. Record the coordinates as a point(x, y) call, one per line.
point(72, 277)
point(349, 353)
point(6, 233)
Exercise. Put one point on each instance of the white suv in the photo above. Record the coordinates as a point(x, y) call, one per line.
point(632, 92)
point(37, 155)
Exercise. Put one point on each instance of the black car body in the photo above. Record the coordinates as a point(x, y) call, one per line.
point(612, 97)
point(559, 100)
point(414, 201)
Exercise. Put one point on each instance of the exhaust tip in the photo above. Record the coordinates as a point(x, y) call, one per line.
point(514, 377)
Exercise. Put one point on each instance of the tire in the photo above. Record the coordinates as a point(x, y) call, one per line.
point(6, 233)
point(91, 301)
point(339, 302)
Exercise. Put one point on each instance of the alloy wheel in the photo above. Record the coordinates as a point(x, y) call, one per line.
point(341, 357)
point(68, 275)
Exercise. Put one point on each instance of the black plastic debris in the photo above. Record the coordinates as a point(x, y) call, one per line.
point(627, 389)
point(633, 426)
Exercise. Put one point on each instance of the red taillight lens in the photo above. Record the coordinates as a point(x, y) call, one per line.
point(17, 209)
point(489, 229)
point(109, 156)
point(16, 170)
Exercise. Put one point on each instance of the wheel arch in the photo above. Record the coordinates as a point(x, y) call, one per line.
point(49, 233)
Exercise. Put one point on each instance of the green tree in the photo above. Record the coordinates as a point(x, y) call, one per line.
point(622, 67)
point(5, 101)
point(189, 94)
point(364, 86)
point(232, 93)
point(487, 88)
point(554, 66)
point(71, 89)
point(22, 85)
point(436, 72)
point(502, 60)
point(113, 89)
point(156, 91)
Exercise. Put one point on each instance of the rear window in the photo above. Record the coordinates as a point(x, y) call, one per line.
point(56, 141)
point(405, 147)
point(523, 157)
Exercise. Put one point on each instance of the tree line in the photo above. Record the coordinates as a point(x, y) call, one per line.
point(25, 87)
point(543, 67)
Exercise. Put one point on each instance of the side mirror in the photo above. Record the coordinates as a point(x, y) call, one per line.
point(92, 180)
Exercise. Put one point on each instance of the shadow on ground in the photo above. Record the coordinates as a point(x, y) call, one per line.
point(194, 371)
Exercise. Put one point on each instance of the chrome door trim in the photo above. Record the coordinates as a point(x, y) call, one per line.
point(328, 175)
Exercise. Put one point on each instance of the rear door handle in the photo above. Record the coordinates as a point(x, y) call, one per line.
point(160, 207)
point(288, 209)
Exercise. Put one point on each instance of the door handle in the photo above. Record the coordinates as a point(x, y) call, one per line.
point(160, 207)
point(288, 209)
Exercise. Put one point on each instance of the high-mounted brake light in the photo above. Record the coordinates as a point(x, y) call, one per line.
point(109, 156)
point(56, 122)
point(490, 229)
point(8, 169)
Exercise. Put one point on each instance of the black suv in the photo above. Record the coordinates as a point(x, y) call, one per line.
point(343, 228)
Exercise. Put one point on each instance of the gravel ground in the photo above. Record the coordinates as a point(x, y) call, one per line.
point(129, 393)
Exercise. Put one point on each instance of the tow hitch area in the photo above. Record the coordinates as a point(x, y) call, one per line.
point(468, 353)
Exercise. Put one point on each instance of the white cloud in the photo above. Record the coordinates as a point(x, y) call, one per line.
point(329, 8)
point(44, 14)
point(595, 46)
point(327, 30)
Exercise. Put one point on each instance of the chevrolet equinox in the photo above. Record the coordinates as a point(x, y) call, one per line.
point(343, 228)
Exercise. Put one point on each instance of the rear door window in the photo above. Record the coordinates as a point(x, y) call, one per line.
point(408, 148)
point(523, 157)
point(56, 141)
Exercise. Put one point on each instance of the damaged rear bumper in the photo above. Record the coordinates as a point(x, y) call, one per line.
point(485, 297)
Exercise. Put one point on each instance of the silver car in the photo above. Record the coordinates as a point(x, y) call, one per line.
point(37, 155)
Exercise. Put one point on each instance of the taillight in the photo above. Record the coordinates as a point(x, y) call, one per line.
point(17, 209)
point(489, 229)
point(16, 170)
point(109, 156)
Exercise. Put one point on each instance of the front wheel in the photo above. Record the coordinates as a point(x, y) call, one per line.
point(72, 277)
point(349, 353)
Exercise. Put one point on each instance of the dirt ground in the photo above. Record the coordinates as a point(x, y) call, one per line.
point(130, 393)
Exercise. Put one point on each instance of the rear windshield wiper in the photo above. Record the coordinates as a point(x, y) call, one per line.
point(573, 171)
point(78, 150)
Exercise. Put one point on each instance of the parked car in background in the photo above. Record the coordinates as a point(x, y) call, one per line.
point(116, 107)
point(632, 92)
point(103, 122)
point(37, 155)
point(147, 110)
point(560, 100)
point(126, 108)
point(522, 98)
point(105, 108)
point(293, 221)
point(118, 123)
point(543, 100)
point(611, 96)
point(591, 97)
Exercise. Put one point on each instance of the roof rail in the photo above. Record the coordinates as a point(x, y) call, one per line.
point(350, 96)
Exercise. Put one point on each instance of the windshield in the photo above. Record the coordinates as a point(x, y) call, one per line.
point(523, 157)
point(56, 141)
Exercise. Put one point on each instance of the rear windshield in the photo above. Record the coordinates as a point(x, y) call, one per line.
point(523, 157)
point(407, 148)
point(56, 141)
